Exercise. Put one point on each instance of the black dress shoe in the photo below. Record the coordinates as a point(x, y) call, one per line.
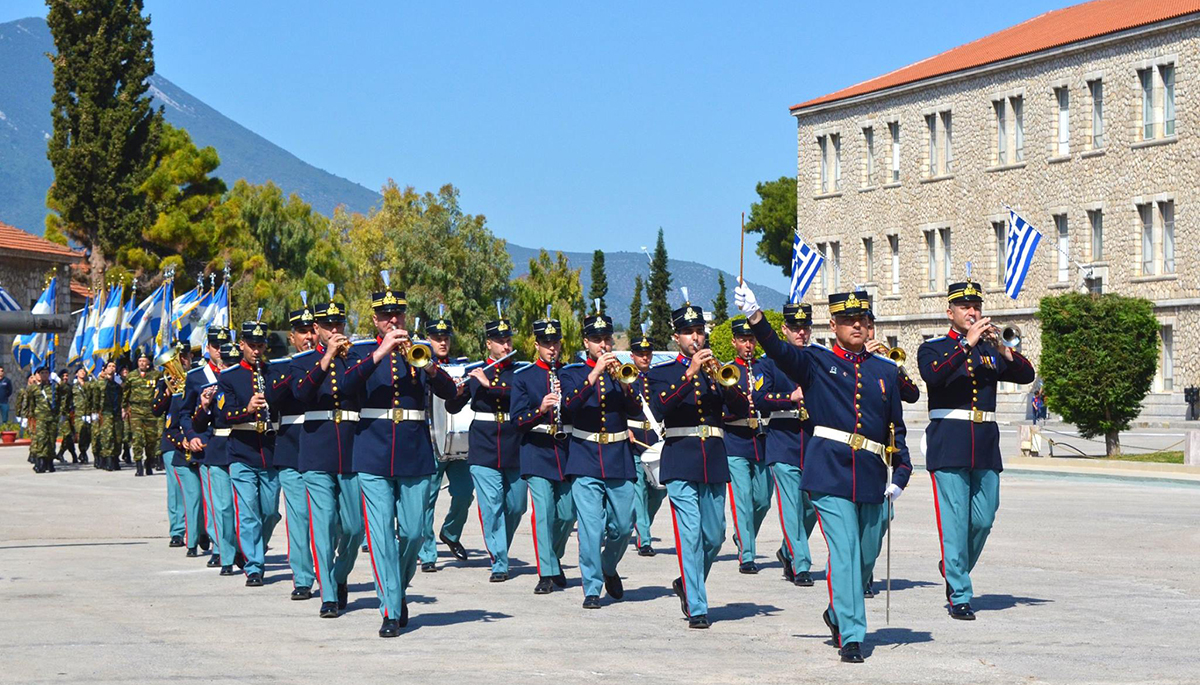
point(366, 549)
point(591, 602)
point(677, 588)
point(646, 551)
point(788, 574)
point(228, 571)
point(390, 628)
point(301, 593)
point(962, 612)
point(803, 579)
point(749, 568)
point(498, 578)
point(851, 653)
point(544, 586)
point(213, 561)
point(343, 594)
point(560, 580)
point(614, 586)
point(403, 620)
point(455, 548)
point(868, 592)
point(254, 580)
point(204, 542)
point(833, 629)
point(176, 541)
point(193, 552)
point(429, 567)
point(700, 622)
point(329, 610)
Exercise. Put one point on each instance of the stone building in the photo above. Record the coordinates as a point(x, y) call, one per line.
point(1082, 119)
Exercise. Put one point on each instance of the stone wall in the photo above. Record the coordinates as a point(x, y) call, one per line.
point(23, 276)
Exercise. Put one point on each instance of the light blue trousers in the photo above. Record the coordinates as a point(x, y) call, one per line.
point(176, 525)
point(965, 501)
point(646, 502)
point(187, 484)
point(336, 525)
point(501, 495)
point(223, 514)
point(797, 517)
point(462, 493)
point(256, 504)
point(698, 515)
point(750, 488)
point(605, 512)
point(393, 506)
point(852, 532)
point(210, 510)
point(552, 520)
point(299, 549)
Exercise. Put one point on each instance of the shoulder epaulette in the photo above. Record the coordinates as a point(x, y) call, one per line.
point(576, 365)
point(369, 341)
point(664, 363)
point(280, 360)
point(937, 339)
point(885, 359)
point(231, 368)
point(301, 354)
point(528, 365)
point(190, 371)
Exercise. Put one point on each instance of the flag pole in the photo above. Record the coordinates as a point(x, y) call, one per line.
point(742, 256)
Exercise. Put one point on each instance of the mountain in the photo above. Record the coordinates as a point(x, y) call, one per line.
point(26, 86)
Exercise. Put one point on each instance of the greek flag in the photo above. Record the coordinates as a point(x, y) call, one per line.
point(1022, 241)
point(7, 303)
point(806, 262)
point(147, 320)
point(76, 350)
point(108, 331)
point(35, 348)
point(130, 317)
point(89, 334)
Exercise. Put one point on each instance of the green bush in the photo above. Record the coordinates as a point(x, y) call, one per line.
point(721, 339)
point(1099, 353)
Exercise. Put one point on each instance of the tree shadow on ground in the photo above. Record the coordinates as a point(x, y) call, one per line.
point(740, 610)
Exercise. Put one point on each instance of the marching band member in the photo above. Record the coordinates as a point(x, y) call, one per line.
point(439, 332)
point(646, 499)
point(854, 400)
point(180, 468)
point(745, 440)
point(303, 336)
point(538, 414)
point(393, 453)
point(690, 403)
point(599, 459)
point(961, 370)
point(318, 382)
point(494, 448)
point(787, 433)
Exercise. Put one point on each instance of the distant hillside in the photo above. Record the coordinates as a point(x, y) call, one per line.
point(622, 267)
point(26, 87)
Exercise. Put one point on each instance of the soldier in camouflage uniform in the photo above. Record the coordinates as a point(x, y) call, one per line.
point(82, 406)
point(137, 402)
point(66, 411)
point(125, 444)
point(41, 405)
point(108, 426)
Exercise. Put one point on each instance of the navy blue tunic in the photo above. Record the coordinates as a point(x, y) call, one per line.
point(744, 441)
point(603, 407)
point(169, 406)
point(786, 436)
point(541, 454)
point(234, 389)
point(491, 443)
point(325, 445)
point(287, 437)
point(192, 422)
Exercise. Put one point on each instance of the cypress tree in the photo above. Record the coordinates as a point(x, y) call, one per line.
point(635, 308)
point(720, 306)
point(656, 293)
point(599, 281)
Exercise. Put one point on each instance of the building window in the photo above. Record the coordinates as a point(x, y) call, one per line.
point(1157, 223)
point(869, 156)
point(868, 269)
point(835, 142)
point(1096, 219)
point(1167, 362)
point(947, 260)
point(931, 260)
point(894, 130)
point(1001, 133)
point(941, 144)
point(1097, 90)
point(1064, 248)
point(1063, 126)
point(1167, 212)
point(836, 262)
point(832, 253)
point(1000, 230)
point(894, 248)
point(948, 144)
point(823, 151)
point(1146, 216)
point(931, 126)
point(1167, 71)
point(1158, 101)
point(1146, 76)
point(1018, 111)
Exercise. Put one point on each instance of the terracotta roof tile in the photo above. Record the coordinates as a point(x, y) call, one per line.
point(81, 290)
point(1043, 32)
point(13, 238)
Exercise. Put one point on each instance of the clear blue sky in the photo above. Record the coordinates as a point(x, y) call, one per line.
point(569, 125)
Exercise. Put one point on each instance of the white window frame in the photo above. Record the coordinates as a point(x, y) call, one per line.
point(894, 248)
point(868, 260)
point(1062, 100)
point(1018, 108)
point(1096, 88)
point(822, 147)
point(1167, 76)
point(1000, 230)
point(931, 260)
point(1001, 132)
point(1096, 225)
point(931, 129)
point(1146, 83)
point(894, 131)
point(1166, 210)
point(836, 140)
point(1145, 213)
point(947, 121)
point(1063, 242)
point(869, 151)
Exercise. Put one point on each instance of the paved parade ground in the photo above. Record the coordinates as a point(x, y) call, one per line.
point(1083, 580)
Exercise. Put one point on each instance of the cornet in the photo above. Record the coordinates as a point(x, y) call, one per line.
point(896, 354)
point(1008, 336)
point(727, 375)
point(624, 373)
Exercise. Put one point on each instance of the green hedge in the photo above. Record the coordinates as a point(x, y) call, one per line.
point(721, 339)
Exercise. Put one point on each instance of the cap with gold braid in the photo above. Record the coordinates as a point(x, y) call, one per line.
point(967, 291)
point(499, 329)
point(440, 324)
point(688, 315)
point(255, 331)
point(547, 329)
point(388, 300)
point(597, 325)
point(849, 304)
point(331, 311)
point(642, 342)
point(740, 327)
point(797, 314)
point(302, 317)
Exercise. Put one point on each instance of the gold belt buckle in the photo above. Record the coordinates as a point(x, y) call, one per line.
point(803, 414)
point(752, 423)
point(337, 416)
point(397, 415)
point(500, 417)
point(857, 441)
point(704, 432)
point(976, 416)
point(602, 438)
point(260, 426)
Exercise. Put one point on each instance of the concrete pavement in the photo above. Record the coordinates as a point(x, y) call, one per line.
point(1083, 581)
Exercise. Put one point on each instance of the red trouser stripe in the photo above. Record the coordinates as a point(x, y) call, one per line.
point(679, 554)
point(828, 571)
point(312, 539)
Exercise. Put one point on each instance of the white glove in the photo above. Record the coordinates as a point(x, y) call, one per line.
point(892, 492)
point(87, 418)
point(95, 418)
point(744, 298)
point(24, 422)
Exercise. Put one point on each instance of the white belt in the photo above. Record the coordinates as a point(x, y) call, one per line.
point(291, 419)
point(330, 415)
point(548, 430)
point(801, 414)
point(603, 438)
point(221, 432)
point(638, 425)
point(972, 415)
point(498, 417)
point(854, 440)
point(702, 432)
point(396, 415)
point(743, 423)
point(253, 427)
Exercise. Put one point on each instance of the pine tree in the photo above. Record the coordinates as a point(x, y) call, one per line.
point(105, 130)
point(656, 293)
point(599, 282)
point(720, 306)
point(635, 308)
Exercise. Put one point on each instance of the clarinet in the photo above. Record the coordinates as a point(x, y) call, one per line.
point(260, 387)
point(556, 430)
point(760, 428)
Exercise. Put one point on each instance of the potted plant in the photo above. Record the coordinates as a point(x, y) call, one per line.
point(8, 432)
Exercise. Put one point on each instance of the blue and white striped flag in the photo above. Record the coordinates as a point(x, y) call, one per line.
point(108, 330)
point(7, 303)
point(1022, 241)
point(35, 348)
point(806, 262)
point(75, 352)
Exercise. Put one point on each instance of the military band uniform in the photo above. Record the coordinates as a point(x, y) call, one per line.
point(750, 484)
point(143, 425)
point(963, 454)
point(494, 456)
point(212, 427)
point(172, 441)
point(646, 499)
point(287, 465)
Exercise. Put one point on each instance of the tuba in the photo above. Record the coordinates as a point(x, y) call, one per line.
point(174, 374)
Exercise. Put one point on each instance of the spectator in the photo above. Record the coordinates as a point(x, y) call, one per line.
point(6, 391)
point(1039, 407)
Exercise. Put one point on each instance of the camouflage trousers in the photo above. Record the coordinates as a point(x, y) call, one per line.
point(107, 436)
point(144, 435)
point(42, 443)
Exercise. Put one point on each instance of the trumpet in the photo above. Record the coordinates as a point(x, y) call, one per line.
point(344, 348)
point(896, 354)
point(418, 355)
point(624, 373)
point(1008, 336)
point(174, 375)
point(726, 375)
